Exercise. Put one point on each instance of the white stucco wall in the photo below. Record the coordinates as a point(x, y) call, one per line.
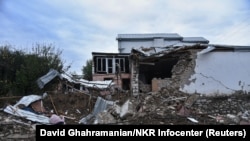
point(220, 73)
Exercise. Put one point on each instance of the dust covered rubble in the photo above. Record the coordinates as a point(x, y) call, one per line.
point(14, 128)
point(165, 107)
point(172, 107)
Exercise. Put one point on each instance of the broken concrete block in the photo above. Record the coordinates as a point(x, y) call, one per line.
point(127, 109)
point(234, 118)
point(104, 118)
point(189, 102)
point(115, 110)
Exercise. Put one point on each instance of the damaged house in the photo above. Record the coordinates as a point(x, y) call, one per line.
point(188, 64)
point(199, 68)
point(194, 69)
point(167, 67)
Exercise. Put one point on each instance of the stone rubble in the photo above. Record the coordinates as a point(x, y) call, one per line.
point(165, 107)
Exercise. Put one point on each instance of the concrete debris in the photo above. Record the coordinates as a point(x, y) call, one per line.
point(127, 109)
point(104, 118)
point(165, 107)
point(14, 128)
point(191, 99)
point(234, 118)
point(183, 111)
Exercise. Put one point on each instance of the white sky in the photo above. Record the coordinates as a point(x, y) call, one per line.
point(80, 27)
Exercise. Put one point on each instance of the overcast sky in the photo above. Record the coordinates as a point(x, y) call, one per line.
point(80, 27)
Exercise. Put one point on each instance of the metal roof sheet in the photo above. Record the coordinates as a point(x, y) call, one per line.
point(86, 83)
point(100, 105)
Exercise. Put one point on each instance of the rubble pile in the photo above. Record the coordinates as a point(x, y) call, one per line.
point(173, 107)
point(165, 107)
point(168, 107)
point(13, 128)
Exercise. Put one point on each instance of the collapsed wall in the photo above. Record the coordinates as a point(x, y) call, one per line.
point(181, 72)
point(195, 69)
point(169, 69)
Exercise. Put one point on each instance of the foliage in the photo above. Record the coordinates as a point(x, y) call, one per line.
point(10, 62)
point(87, 70)
point(19, 71)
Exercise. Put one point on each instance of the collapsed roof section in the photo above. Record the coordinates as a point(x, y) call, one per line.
point(128, 41)
point(160, 51)
point(89, 84)
point(43, 80)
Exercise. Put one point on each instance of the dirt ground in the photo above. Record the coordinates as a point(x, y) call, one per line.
point(75, 106)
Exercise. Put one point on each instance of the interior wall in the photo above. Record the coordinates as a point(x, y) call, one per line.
point(162, 69)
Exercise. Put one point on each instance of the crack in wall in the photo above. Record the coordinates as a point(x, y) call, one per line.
point(216, 81)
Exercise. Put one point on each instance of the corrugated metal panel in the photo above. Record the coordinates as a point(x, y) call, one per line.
point(149, 36)
point(96, 84)
point(100, 105)
point(26, 114)
point(47, 78)
point(26, 101)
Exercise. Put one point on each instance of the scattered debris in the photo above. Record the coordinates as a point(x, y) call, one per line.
point(192, 119)
point(100, 105)
point(29, 107)
point(167, 106)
